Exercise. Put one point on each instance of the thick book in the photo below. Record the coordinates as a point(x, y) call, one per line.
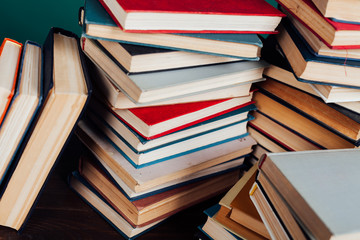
point(99, 25)
point(280, 207)
point(245, 16)
point(99, 204)
point(314, 109)
point(119, 100)
point(149, 176)
point(347, 10)
point(267, 213)
point(334, 34)
point(172, 150)
point(66, 91)
point(24, 106)
point(90, 166)
point(10, 54)
point(299, 123)
point(173, 83)
point(320, 188)
point(144, 211)
point(314, 69)
point(102, 113)
point(134, 58)
point(172, 118)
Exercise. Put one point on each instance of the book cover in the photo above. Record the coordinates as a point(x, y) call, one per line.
point(194, 17)
point(98, 24)
point(321, 189)
point(10, 55)
point(23, 108)
point(64, 105)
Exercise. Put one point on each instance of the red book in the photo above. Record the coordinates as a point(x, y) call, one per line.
point(337, 35)
point(153, 122)
point(246, 16)
point(10, 54)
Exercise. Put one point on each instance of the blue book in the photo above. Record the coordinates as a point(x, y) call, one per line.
point(23, 109)
point(98, 24)
point(310, 68)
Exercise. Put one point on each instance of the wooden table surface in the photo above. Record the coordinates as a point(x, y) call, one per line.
point(61, 214)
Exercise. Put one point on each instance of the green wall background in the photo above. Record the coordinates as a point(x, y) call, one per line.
point(24, 20)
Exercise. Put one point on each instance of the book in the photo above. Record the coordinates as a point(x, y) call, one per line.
point(144, 211)
point(98, 24)
point(318, 47)
point(214, 230)
point(106, 211)
point(140, 179)
point(169, 150)
point(108, 117)
point(267, 213)
point(313, 184)
point(280, 207)
point(270, 144)
point(334, 34)
point(91, 165)
point(343, 10)
point(310, 68)
point(118, 100)
point(10, 54)
point(23, 107)
point(314, 109)
point(63, 105)
point(280, 134)
point(137, 58)
point(334, 94)
point(243, 211)
point(174, 83)
point(163, 16)
point(300, 124)
point(172, 118)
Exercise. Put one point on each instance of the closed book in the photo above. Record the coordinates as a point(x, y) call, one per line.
point(66, 90)
point(23, 108)
point(104, 114)
point(171, 16)
point(342, 10)
point(314, 69)
point(320, 188)
point(314, 109)
point(334, 34)
point(99, 25)
point(10, 54)
point(174, 83)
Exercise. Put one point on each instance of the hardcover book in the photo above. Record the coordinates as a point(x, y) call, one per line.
point(66, 90)
point(313, 69)
point(23, 108)
point(334, 34)
point(313, 184)
point(188, 16)
point(99, 25)
point(344, 10)
point(10, 54)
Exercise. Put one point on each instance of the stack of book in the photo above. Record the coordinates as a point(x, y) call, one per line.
point(311, 98)
point(44, 90)
point(309, 194)
point(235, 216)
point(172, 85)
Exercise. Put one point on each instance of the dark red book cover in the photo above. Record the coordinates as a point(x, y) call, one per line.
point(158, 114)
point(213, 7)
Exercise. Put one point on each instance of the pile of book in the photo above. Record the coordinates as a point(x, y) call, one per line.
point(43, 91)
point(167, 126)
point(310, 99)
